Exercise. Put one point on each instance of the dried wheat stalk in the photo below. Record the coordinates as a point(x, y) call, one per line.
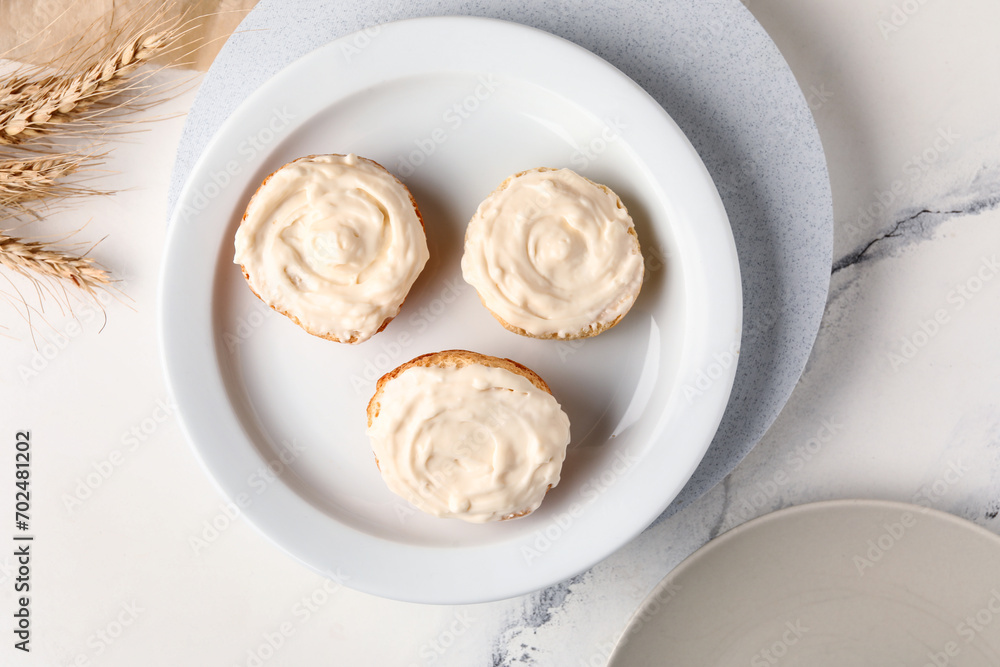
point(34, 259)
point(31, 178)
point(29, 109)
point(44, 111)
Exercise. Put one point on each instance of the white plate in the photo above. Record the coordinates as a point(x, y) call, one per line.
point(848, 583)
point(644, 399)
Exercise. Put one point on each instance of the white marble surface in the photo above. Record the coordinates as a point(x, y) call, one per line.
point(892, 404)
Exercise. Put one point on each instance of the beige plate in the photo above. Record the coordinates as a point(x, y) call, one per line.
point(832, 584)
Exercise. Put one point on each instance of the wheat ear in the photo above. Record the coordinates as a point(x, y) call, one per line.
point(34, 259)
point(31, 178)
point(38, 107)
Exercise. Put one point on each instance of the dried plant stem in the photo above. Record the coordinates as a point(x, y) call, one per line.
point(34, 260)
point(36, 177)
point(54, 117)
point(29, 109)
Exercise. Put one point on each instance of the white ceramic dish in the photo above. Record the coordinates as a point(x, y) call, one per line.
point(848, 583)
point(453, 106)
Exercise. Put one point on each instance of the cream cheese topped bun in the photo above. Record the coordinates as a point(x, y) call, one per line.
point(463, 435)
point(334, 242)
point(553, 255)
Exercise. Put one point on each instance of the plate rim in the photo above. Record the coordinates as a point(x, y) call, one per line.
point(819, 506)
point(725, 383)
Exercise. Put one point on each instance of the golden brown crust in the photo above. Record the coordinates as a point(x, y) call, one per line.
point(591, 331)
point(353, 339)
point(585, 333)
point(453, 359)
point(456, 359)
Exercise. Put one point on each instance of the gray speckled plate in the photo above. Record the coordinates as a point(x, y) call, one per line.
point(718, 75)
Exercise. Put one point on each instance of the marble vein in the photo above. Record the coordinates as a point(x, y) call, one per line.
point(538, 610)
point(913, 228)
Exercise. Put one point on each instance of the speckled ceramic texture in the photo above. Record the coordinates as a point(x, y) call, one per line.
point(721, 78)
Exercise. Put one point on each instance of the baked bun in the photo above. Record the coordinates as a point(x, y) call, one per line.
point(463, 435)
point(333, 242)
point(553, 255)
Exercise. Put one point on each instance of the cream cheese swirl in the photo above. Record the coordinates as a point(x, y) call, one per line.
point(477, 443)
point(334, 242)
point(553, 255)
